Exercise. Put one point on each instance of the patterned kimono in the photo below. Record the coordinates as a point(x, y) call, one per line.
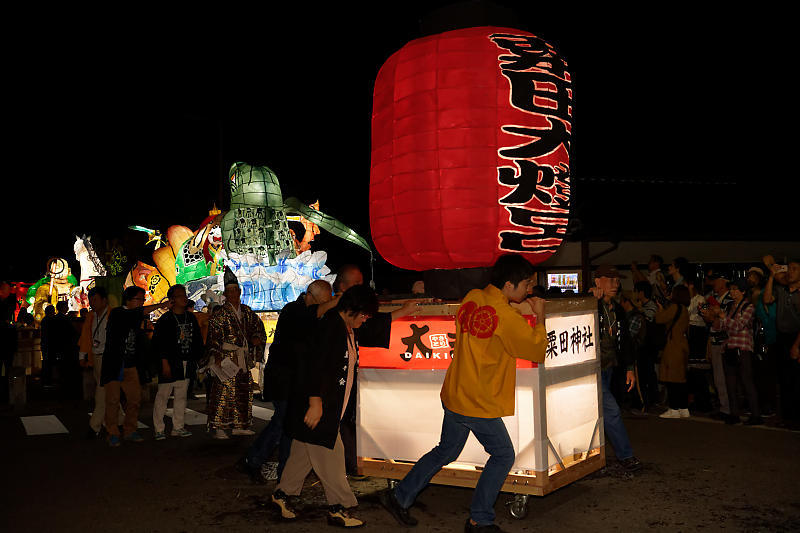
point(231, 402)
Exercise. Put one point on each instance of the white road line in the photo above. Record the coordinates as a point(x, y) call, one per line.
point(43, 425)
point(191, 418)
point(262, 412)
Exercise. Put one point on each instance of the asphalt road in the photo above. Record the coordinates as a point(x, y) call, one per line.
point(698, 475)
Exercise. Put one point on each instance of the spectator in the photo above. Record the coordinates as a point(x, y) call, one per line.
point(755, 284)
point(698, 329)
point(767, 354)
point(177, 341)
point(615, 350)
point(637, 327)
point(737, 323)
point(653, 343)
point(678, 272)
point(654, 276)
point(8, 337)
point(719, 297)
point(783, 288)
point(318, 402)
point(48, 363)
point(60, 349)
point(675, 358)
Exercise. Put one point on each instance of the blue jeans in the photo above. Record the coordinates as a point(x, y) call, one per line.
point(492, 434)
point(612, 420)
point(270, 437)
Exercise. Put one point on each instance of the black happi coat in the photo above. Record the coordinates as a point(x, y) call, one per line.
point(120, 322)
point(293, 338)
point(166, 345)
point(322, 372)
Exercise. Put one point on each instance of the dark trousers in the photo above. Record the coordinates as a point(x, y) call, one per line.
point(677, 395)
point(272, 435)
point(766, 368)
point(347, 430)
point(739, 370)
point(789, 378)
point(648, 382)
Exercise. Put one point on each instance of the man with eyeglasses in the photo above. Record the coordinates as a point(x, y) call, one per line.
point(124, 363)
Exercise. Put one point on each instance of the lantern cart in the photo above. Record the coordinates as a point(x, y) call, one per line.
point(557, 427)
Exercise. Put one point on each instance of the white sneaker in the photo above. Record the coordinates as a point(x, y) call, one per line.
point(243, 432)
point(670, 413)
point(685, 413)
point(220, 434)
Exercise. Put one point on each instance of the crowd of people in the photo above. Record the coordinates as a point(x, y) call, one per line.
point(748, 328)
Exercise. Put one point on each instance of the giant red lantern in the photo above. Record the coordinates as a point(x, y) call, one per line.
point(470, 150)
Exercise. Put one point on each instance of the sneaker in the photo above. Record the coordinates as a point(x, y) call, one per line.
point(754, 421)
point(281, 501)
point(220, 434)
point(670, 413)
point(134, 437)
point(181, 432)
point(114, 441)
point(685, 413)
point(401, 514)
point(631, 464)
point(469, 527)
point(243, 432)
point(339, 516)
point(160, 435)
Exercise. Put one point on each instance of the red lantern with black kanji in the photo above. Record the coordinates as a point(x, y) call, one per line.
point(470, 150)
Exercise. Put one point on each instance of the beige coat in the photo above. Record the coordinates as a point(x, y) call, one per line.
point(675, 358)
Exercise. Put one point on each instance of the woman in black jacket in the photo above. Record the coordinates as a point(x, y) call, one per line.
point(324, 380)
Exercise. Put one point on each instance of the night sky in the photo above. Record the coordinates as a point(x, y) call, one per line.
point(686, 115)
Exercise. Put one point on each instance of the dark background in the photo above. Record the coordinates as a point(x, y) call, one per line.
point(683, 119)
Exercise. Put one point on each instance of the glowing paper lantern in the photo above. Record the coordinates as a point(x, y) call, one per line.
point(470, 150)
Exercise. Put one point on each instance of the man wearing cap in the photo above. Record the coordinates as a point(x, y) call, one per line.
point(236, 337)
point(718, 297)
point(615, 350)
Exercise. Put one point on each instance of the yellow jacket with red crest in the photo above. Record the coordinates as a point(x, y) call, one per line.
point(490, 336)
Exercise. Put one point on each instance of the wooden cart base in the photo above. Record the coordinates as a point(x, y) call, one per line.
point(529, 483)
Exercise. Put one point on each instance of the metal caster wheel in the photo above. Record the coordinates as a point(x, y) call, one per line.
point(518, 507)
point(392, 483)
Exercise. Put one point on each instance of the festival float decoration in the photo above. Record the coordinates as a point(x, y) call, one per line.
point(261, 248)
point(470, 160)
point(470, 150)
point(57, 285)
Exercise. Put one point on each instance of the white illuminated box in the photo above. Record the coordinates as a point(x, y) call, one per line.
point(558, 403)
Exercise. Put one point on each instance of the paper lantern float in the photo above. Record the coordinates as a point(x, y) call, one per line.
point(470, 150)
point(57, 285)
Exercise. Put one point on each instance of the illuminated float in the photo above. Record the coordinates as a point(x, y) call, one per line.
point(57, 285)
point(470, 160)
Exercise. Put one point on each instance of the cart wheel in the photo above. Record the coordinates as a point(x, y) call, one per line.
point(518, 507)
point(392, 483)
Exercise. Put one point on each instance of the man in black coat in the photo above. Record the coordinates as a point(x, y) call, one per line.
point(293, 334)
point(318, 400)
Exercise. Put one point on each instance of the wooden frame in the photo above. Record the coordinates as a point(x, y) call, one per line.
point(531, 483)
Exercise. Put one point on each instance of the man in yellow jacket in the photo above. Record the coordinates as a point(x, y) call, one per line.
point(478, 389)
